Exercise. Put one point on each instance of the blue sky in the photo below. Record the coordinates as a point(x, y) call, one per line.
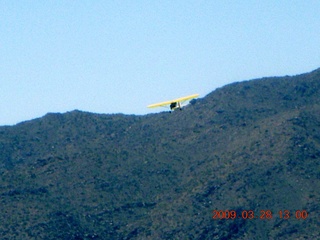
point(120, 56)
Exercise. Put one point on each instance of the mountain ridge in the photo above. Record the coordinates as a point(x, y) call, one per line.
point(251, 145)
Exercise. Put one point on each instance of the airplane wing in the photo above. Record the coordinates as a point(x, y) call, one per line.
point(182, 99)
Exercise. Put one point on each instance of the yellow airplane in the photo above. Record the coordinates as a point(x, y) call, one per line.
point(175, 103)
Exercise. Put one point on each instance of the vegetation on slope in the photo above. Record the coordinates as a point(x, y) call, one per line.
point(252, 145)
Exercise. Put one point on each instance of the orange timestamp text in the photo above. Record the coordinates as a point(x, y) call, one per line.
point(262, 214)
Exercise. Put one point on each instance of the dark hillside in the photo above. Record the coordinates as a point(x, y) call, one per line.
point(251, 145)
